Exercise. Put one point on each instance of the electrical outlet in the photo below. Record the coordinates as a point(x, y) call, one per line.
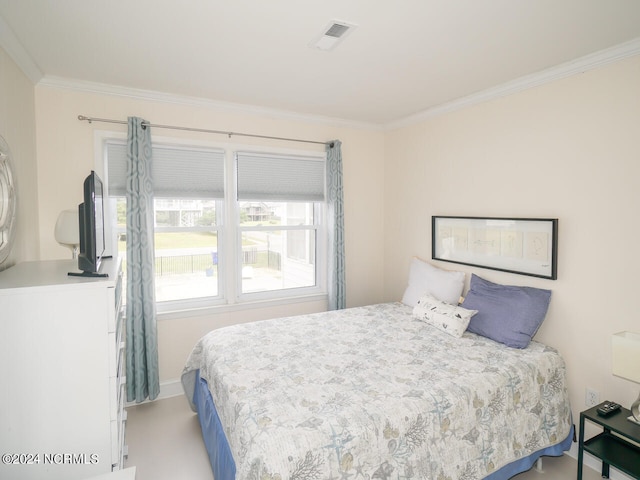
point(592, 397)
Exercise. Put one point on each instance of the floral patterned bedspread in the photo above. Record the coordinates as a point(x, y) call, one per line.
point(371, 392)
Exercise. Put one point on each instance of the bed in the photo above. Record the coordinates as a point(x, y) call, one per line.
point(374, 392)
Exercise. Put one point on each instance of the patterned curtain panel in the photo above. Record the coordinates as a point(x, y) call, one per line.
point(142, 342)
point(335, 214)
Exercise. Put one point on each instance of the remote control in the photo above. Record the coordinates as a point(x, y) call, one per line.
point(607, 408)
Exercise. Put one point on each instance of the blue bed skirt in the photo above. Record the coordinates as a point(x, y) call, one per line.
point(524, 464)
point(222, 464)
point(224, 467)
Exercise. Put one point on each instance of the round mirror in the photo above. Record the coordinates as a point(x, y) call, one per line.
point(8, 202)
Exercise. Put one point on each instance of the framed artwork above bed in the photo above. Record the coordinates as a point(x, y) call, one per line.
point(527, 246)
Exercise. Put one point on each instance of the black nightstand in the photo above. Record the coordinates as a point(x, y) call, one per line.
point(613, 445)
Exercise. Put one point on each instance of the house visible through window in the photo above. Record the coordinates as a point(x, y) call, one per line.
point(229, 226)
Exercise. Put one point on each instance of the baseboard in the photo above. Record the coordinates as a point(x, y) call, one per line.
point(168, 389)
point(592, 462)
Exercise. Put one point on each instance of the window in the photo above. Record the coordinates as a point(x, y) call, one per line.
point(230, 226)
point(280, 200)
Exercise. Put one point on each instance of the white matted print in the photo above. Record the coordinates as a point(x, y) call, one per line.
point(518, 245)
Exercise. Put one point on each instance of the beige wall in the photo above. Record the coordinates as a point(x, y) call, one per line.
point(66, 155)
point(570, 150)
point(17, 127)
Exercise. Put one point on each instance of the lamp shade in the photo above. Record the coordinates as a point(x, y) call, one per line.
point(625, 348)
point(67, 230)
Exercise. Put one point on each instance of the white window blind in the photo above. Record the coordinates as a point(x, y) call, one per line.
point(177, 172)
point(281, 178)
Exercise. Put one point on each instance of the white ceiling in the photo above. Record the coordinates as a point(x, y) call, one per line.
point(404, 57)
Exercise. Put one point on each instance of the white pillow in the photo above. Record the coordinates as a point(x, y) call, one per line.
point(449, 318)
point(424, 278)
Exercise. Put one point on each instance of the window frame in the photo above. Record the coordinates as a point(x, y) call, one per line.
point(229, 231)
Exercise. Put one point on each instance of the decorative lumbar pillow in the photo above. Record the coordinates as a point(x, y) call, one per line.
point(506, 313)
point(424, 278)
point(452, 319)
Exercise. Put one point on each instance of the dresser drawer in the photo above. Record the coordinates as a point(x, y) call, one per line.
point(118, 425)
point(117, 388)
point(116, 315)
point(116, 351)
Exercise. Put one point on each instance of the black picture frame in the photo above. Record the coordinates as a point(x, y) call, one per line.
point(526, 246)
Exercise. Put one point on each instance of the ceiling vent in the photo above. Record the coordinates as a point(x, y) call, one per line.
point(332, 34)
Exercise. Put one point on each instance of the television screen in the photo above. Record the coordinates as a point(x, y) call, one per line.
point(91, 223)
point(98, 215)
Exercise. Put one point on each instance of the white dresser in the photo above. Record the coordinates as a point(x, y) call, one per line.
point(62, 391)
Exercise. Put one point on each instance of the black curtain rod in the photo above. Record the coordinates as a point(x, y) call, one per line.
point(201, 130)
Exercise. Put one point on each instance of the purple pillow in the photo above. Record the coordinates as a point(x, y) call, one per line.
point(507, 314)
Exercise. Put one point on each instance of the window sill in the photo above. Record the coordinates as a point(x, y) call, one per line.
point(238, 307)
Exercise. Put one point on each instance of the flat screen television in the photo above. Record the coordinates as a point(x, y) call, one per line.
point(91, 225)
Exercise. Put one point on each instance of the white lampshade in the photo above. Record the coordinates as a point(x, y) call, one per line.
point(626, 355)
point(625, 349)
point(67, 230)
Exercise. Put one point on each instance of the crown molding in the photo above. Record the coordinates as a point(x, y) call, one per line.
point(10, 43)
point(573, 67)
point(155, 96)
